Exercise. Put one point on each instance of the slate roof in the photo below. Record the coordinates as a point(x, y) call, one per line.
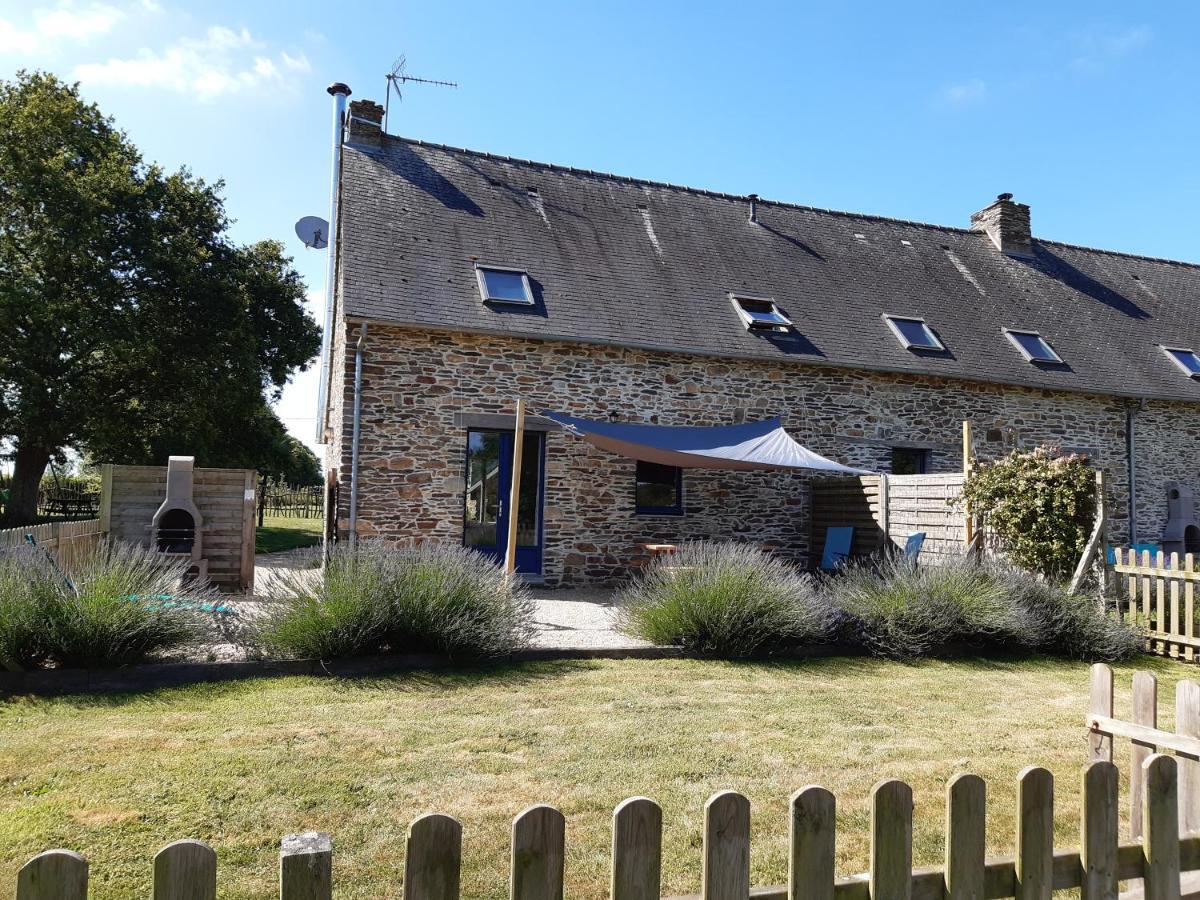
point(616, 260)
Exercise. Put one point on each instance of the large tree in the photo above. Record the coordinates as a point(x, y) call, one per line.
point(130, 324)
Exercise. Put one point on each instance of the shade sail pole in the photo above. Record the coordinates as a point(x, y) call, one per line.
point(514, 494)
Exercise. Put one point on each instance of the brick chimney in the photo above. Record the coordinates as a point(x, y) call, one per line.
point(1007, 224)
point(366, 119)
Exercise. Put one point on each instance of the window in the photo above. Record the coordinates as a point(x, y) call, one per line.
point(760, 313)
point(1032, 346)
point(909, 461)
point(498, 285)
point(914, 334)
point(659, 489)
point(1187, 360)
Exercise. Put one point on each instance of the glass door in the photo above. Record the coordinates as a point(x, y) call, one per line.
point(489, 482)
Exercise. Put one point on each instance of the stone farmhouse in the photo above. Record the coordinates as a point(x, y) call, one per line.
point(465, 280)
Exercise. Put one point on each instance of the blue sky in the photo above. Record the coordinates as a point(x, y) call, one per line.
point(926, 111)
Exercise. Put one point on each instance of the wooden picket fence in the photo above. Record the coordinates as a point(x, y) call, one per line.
point(1161, 592)
point(187, 870)
point(1146, 738)
point(67, 542)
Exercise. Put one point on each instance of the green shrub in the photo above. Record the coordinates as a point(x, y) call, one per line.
point(1041, 504)
point(897, 610)
point(127, 605)
point(724, 599)
point(445, 599)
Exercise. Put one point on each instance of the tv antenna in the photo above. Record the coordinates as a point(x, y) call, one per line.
point(398, 77)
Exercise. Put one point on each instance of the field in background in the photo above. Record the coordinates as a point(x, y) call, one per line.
point(279, 534)
point(240, 764)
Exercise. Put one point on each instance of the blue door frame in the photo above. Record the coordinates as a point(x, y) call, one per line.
point(489, 466)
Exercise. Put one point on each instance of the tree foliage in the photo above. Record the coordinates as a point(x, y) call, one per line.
point(1040, 503)
point(132, 326)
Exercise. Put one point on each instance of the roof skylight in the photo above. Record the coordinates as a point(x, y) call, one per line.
point(1187, 360)
point(1032, 346)
point(501, 285)
point(760, 313)
point(913, 333)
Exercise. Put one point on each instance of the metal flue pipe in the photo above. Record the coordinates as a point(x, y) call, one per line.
point(340, 93)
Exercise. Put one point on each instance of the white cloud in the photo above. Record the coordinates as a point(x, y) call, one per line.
point(1097, 47)
point(224, 61)
point(50, 26)
point(964, 93)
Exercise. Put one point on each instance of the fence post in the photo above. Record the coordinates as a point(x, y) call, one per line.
point(538, 842)
point(53, 875)
point(891, 841)
point(1100, 745)
point(725, 871)
point(1035, 834)
point(1160, 843)
point(966, 839)
point(185, 870)
point(1187, 723)
point(1099, 832)
point(636, 850)
point(812, 834)
point(1145, 712)
point(433, 858)
point(306, 866)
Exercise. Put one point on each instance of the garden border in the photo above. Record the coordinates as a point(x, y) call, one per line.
point(152, 676)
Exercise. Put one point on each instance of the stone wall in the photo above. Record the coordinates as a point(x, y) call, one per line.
point(412, 452)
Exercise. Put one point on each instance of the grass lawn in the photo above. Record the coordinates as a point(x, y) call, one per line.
point(286, 534)
point(240, 764)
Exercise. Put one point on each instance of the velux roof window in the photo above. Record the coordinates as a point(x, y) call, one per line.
point(501, 285)
point(913, 333)
point(760, 313)
point(1187, 360)
point(1032, 346)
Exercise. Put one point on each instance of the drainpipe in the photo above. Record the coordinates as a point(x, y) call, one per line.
point(1131, 412)
point(339, 92)
point(358, 356)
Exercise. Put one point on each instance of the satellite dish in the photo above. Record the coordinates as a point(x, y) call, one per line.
point(314, 231)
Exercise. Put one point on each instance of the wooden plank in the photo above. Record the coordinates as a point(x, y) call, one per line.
point(1035, 834)
point(538, 848)
point(1099, 832)
point(725, 869)
point(433, 858)
point(1174, 607)
point(1187, 724)
point(813, 827)
point(1189, 608)
point(1100, 705)
point(53, 875)
point(185, 870)
point(1160, 817)
point(636, 850)
point(1145, 713)
point(966, 840)
point(891, 841)
point(1160, 602)
point(306, 866)
point(246, 550)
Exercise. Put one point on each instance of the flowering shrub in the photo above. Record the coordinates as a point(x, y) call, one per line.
point(1041, 504)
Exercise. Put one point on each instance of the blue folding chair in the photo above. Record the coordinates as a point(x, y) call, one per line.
point(837, 547)
point(912, 547)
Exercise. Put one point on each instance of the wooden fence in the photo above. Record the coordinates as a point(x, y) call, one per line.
point(66, 541)
point(1161, 598)
point(1146, 738)
point(187, 870)
point(885, 509)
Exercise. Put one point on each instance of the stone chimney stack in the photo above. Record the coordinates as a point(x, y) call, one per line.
point(366, 122)
point(1007, 224)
